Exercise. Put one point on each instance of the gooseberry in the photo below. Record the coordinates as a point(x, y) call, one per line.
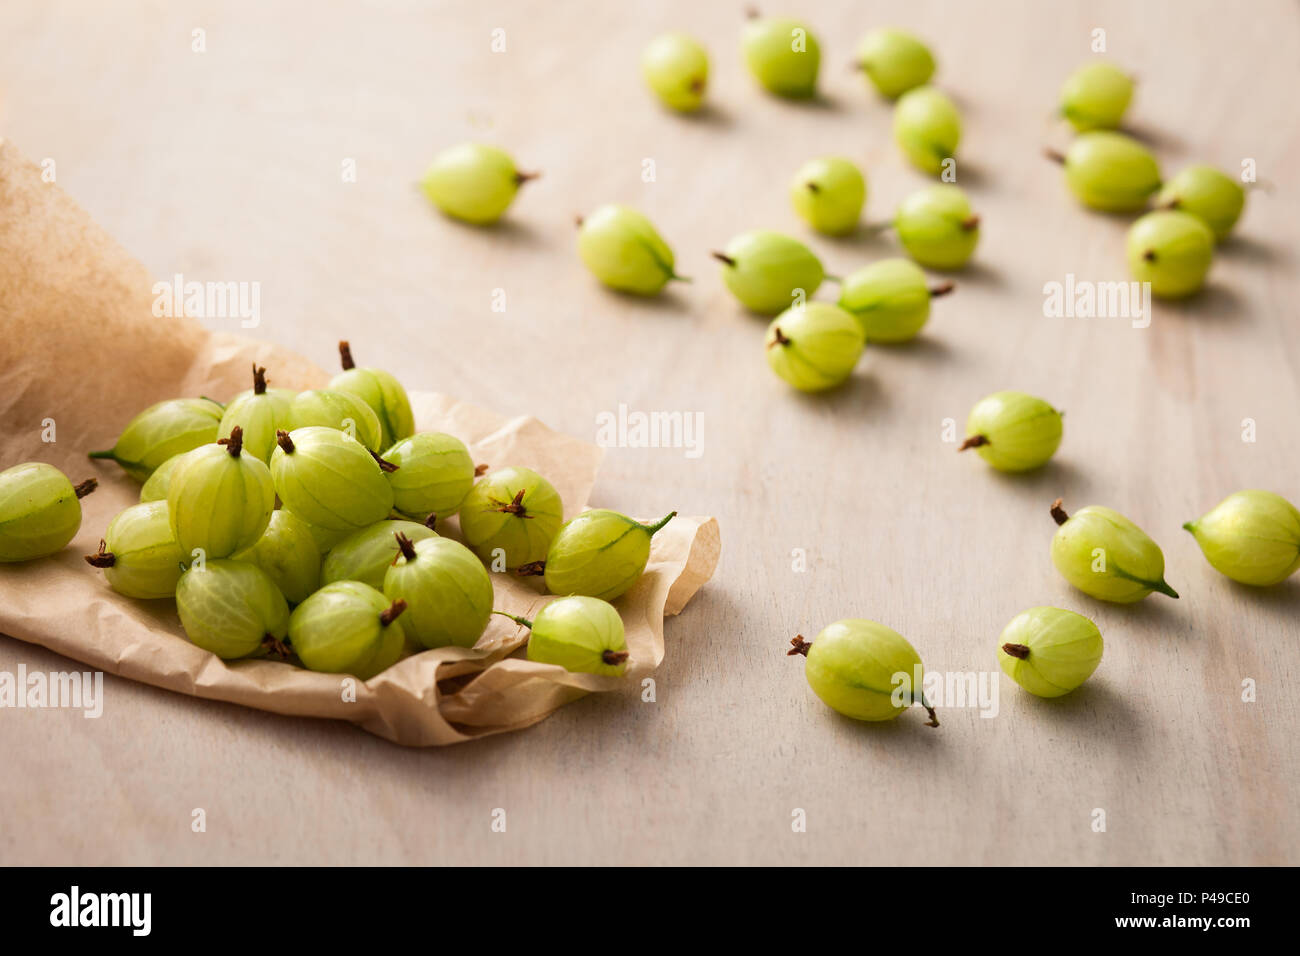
point(814, 346)
point(927, 127)
point(1252, 537)
point(330, 480)
point(288, 554)
point(769, 272)
point(894, 61)
point(219, 499)
point(331, 408)
point(156, 485)
point(366, 555)
point(1095, 96)
point(1172, 251)
point(1208, 194)
point(828, 194)
point(890, 299)
point(937, 227)
point(447, 591)
point(864, 670)
point(382, 392)
point(622, 249)
point(161, 431)
point(40, 510)
point(583, 634)
point(348, 628)
point(600, 553)
point(473, 182)
point(434, 473)
point(1105, 555)
point(1048, 651)
point(139, 554)
point(1013, 431)
point(232, 609)
point(676, 68)
point(511, 515)
point(1109, 171)
point(783, 55)
point(260, 412)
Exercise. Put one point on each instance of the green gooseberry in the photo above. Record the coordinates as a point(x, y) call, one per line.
point(139, 554)
point(348, 628)
point(1212, 196)
point(510, 517)
point(382, 392)
point(890, 299)
point(828, 194)
point(676, 67)
point(938, 227)
point(161, 431)
point(894, 61)
point(219, 499)
point(1048, 651)
point(600, 553)
point(783, 55)
point(260, 412)
point(1013, 431)
point(1251, 536)
point(331, 408)
point(232, 609)
point(434, 474)
point(624, 251)
point(769, 272)
point(814, 346)
point(581, 634)
point(157, 484)
point(366, 555)
point(864, 670)
point(40, 510)
point(448, 592)
point(288, 554)
point(330, 480)
point(1105, 555)
point(927, 127)
point(473, 182)
point(1109, 171)
point(1095, 96)
point(1172, 251)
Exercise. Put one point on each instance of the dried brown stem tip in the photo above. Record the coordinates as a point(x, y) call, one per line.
point(235, 443)
point(86, 487)
point(798, 646)
point(515, 506)
point(1058, 513)
point(431, 522)
point(387, 466)
point(813, 188)
point(276, 648)
point(1016, 650)
point(723, 258)
point(613, 657)
point(531, 570)
point(522, 177)
point(284, 441)
point(259, 379)
point(1054, 155)
point(101, 558)
point(975, 441)
point(943, 288)
point(480, 471)
point(780, 338)
point(971, 223)
point(1149, 255)
point(934, 718)
point(406, 546)
point(345, 356)
point(577, 221)
point(392, 612)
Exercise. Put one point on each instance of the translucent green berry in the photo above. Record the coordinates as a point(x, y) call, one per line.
point(783, 55)
point(288, 554)
point(40, 510)
point(161, 431)
point(434, 474)
point(330, 480)
point(473, 182)
point(260, 412)
point(938, 227)
point(894, 61)
point(676, 68)
point(624, 251)
point(927, 127)
point(600, 553)
point(890, 299)
point(769, 272)
point(156, 485)
point(1013, 431)
point(1172, 251)
point(1251, 536)
point(1208, 194)
point(382, 392)
point(828, 194)
point(331, 408)
point(139, 554)
point(348, 628)
point(1095, 96)
point(1105, 555)
point(814, 346)
point(232, 609)
point(366, 555)
point(582, 634)
point(510, 517)
point(219, 499)
point(447, 591)
point(1110, 171)
point(864, 670)
point(1048, 651)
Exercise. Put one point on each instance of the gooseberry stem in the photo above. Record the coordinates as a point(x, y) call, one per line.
point(110, 453)
point(515, 506)
point(652, 528)
point(259, 379)
point(934, 718)
point(613, 657)
point(387, 466)
point(522, 177)
point(405, 545)
point(1058, 513)
point(1020, 651)
point(392, 612)
point(480, 471)
point(724, 258)
point(1054, 155)
point(431, 522)
point(86, 487)
point(284, 441)
point(799, 646)
point(276, 647)
point(779, 338)
point(1163, 588)
point(101, 558)
point(235, 443)
point(345, 355)
point(516, 618)
point(942, 289)
point(531, 570)
point(971, 222)
point(974, 441)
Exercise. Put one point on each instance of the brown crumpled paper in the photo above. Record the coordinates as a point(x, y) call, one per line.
point(81, 352)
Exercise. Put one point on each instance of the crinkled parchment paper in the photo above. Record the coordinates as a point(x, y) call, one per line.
point(81, 352)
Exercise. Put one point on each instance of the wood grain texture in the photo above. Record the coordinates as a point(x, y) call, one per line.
point(226, 165)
